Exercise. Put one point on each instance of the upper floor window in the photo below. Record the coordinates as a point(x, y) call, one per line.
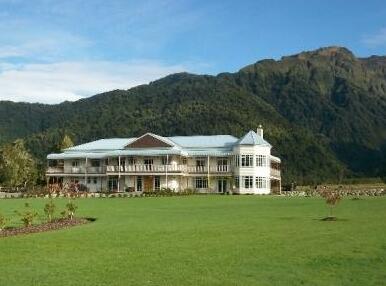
point(222, 162)
point(122, 162)
point(95, 163)
point(131, 161)
point(246, 160)
point(75, 163)
point(164, 160)
point(261, 160)
point(248, 182)
point(184, 161)
point(200, 162)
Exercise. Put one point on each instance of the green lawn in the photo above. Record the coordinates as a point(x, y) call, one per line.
point(203, 240)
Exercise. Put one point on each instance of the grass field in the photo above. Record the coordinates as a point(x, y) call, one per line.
point(203, 240)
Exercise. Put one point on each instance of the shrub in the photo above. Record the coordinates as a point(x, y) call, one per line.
point(71, 209)
point(28, 215)
point(332, 199)
point(49, 210)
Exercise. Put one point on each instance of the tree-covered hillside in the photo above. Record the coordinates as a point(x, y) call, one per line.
point(323, 111)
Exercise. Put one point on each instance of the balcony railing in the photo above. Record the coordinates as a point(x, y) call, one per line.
point(212, 169)
point(168, 168)
point(76, 170)
point(55, 170)
point(275, 173)
point(96, 170)
point(146, 168)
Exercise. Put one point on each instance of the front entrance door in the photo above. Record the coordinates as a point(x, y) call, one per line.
point(148, 184)
point(222, 185)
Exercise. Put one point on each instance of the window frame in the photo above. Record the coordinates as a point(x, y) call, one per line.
point(261, 182)
point(201, 182)
point(247, 160)
point(261, 161)
point(247, 182)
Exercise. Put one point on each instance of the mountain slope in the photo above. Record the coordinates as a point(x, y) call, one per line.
point(324, 112)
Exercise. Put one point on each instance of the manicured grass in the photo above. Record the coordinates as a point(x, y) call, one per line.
point(203, 240)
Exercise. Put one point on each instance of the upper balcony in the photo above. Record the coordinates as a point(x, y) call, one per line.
point(76, 170)
point(141, 168)
point(275, 173)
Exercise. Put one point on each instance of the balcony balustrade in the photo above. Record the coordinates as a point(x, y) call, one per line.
point(138, 168)
point(55, 170)
point(275, 173)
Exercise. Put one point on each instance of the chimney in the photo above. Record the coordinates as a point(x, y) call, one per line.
point(259, 131)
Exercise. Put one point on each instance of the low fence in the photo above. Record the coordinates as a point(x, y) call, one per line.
point(343, 192)
point(8, 195)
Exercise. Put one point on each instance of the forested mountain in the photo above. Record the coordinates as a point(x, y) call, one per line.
point(324, 112)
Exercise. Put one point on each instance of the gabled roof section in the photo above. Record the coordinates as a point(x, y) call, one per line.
point(150, 140)
point(251, 138)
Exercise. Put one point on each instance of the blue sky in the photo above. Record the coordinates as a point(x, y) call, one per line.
point(51, 51)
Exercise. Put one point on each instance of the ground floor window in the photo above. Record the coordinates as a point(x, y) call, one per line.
point(139, 184)
point(157, 183)
point(201, 182)
point(113, 184)
point(248, 182)
point(261, 183)
point(237, 182)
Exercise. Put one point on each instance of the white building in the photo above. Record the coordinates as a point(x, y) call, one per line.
point(215, 163)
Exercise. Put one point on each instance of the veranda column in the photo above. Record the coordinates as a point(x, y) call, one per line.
point(280, 186)
point(208, 173)
point(85, 174)
point(119, 171)
point(166, 170)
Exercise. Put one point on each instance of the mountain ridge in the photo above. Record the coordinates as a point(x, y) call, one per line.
point(323, 111)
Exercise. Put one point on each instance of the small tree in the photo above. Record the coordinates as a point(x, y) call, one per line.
point(3, 222)
point(71, 209)
point(28, 215)
point(65, 143)
point(17, 166)
point(332, 199)
point(49, 210)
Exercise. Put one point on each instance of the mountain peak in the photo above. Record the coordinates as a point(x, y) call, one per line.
point(325, 52)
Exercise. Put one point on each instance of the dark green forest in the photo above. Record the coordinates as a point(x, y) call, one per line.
point(324, 111)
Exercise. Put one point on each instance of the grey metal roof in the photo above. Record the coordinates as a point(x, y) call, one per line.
point(103, 144)
point(251, 138)
point(212, 145)
point(75, 155)
point(201, 141)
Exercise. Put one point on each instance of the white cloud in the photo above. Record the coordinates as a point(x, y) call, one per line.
point(376, 40)
point(57, 82)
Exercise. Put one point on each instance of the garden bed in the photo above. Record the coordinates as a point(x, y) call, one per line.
point(49, 226)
